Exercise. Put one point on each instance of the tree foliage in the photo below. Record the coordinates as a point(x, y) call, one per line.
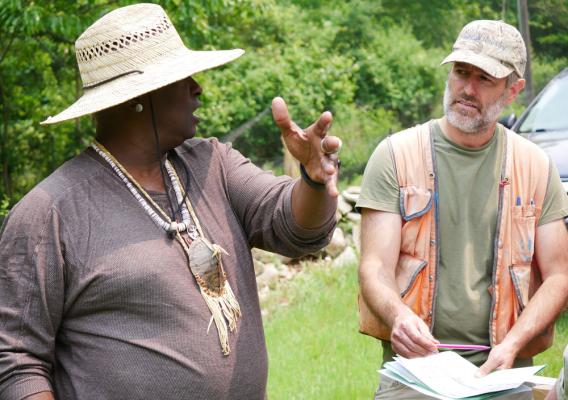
point(373, 63)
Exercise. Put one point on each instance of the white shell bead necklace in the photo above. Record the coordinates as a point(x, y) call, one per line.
point(165, 223)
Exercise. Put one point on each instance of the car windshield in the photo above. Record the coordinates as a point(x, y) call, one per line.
point(549, 113)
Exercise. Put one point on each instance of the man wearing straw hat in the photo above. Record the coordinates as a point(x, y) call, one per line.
point(463, 242)
point(127, 274)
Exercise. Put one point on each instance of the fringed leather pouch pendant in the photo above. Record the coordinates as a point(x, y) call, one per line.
point(205, 263)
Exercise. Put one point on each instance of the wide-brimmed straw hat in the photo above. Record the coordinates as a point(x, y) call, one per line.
point(132, 51)
point(494, 46)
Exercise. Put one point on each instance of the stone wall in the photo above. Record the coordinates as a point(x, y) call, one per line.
point(342, 250)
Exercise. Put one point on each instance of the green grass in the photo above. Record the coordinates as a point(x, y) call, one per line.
point(314, 347)
point(553, 356)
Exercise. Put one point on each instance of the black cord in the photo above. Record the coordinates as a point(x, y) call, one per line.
point(186, 170)
point(162, 167)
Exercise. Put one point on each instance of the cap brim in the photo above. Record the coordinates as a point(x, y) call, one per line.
point(176, 67)
point(488, 64)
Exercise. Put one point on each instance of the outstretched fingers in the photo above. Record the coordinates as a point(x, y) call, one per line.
point(312, 147)
point(322, 125)
point(282, 118)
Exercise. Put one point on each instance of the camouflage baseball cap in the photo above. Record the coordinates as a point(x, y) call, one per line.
point(494, 46)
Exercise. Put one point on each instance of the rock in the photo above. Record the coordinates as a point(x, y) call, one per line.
point(343, 206)
point(351, 194)
point(283, 259)
point(356, 235)
point(268, 257)
point(263, 293)
point(286, 273)
point(353, 216)
point(269, 276)
point(337, 243)
point(348, 257)
point(258, 267)
point(264, 256)
point(338, 215)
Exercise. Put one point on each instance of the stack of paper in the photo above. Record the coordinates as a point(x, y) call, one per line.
point(447, 375)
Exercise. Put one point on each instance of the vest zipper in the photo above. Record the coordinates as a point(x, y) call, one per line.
point(503, 182)
point(437, 228)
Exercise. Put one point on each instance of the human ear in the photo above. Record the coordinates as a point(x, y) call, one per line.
point(515, 89)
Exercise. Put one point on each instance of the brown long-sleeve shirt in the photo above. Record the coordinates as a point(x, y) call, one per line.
point(96, 302)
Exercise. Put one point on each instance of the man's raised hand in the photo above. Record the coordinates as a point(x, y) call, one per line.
point(312, 147)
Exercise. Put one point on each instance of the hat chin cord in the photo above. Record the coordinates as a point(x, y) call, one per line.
point(175, 210)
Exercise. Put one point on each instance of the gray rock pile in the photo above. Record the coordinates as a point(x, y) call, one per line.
point(342, 250)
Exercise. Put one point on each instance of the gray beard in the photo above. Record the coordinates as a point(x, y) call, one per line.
point(477, 124)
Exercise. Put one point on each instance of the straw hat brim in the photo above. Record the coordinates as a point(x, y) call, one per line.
point(488, 64)
point(177, 66)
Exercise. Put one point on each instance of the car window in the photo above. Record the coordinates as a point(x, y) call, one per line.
point(549, 113)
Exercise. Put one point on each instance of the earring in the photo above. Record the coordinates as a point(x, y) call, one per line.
point(138, 108)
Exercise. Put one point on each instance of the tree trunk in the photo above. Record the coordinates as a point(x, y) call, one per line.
point(523, 12)
point(291, 165)
point(6, 177)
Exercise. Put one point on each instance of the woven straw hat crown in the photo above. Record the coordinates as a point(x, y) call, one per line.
point(494, 46)
point(132, 51)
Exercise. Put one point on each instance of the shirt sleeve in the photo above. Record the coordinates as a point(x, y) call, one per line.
point(555, 200)
point(31, 297)
point(263, 204)
point(379, 189)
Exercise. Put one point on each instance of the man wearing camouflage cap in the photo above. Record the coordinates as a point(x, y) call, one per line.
point(463, 239)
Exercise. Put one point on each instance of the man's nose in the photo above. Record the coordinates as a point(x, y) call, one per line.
point(470, 87)
point(194, 87)
point(197, 90)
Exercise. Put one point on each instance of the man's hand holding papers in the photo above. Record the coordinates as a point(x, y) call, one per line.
point(447, 375)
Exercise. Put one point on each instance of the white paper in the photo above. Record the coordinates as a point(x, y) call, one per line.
point(401, 371)
point(450, 375)
point(418, 388)
point(521, 392)
point(541, 380)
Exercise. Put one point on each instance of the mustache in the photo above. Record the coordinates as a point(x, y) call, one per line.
point(466, 99)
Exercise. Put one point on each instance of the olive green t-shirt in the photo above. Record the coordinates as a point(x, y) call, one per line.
point(468, 200)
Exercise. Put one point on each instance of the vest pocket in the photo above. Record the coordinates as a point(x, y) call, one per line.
point(414, 202)
point(521, 275)
point(407, 271)
point(522, 234)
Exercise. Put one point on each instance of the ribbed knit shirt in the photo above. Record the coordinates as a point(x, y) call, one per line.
point(98, 303)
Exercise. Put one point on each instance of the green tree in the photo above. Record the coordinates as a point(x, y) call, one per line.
point(374, 64)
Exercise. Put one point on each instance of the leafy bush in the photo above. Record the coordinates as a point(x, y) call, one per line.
point(306, 74)
point(361, 129)
point(545, 69)
point(398, 74)
point(374, 64)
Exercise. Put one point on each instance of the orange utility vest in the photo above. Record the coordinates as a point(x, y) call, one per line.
point(516, 275)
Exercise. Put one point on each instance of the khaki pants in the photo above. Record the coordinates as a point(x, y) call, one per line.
point(393, 390)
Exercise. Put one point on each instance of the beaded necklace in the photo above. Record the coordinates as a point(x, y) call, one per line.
point(204, 258)
point(134, 187)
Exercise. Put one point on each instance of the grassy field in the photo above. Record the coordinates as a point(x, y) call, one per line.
point(314, 347)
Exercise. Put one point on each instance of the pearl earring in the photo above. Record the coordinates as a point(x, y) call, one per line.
point(138, 108)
